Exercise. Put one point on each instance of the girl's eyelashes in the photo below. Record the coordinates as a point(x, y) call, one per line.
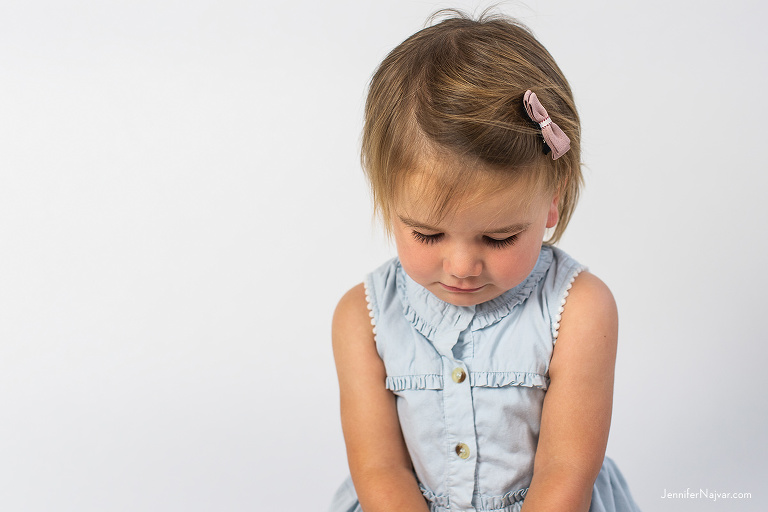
point(426, 239)
point(504, 242)
point(493, 242)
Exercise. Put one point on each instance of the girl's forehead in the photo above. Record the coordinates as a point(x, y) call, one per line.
point(420, 188)
point(432, 201)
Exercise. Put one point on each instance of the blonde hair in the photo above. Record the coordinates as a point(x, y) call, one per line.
point(454, 91)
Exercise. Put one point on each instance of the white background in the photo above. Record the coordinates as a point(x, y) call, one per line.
point(181, 206)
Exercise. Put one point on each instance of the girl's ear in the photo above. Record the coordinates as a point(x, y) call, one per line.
point(553, 215)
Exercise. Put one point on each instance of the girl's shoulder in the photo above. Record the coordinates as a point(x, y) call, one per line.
point(351, 318)
point(579, 289)
point(355, 308)
point(589, 300)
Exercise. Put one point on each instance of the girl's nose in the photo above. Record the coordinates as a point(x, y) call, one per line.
point(463, 264)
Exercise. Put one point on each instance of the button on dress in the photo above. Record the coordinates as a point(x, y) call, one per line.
point(470, 383)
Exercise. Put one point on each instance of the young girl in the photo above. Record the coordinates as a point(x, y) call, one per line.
point(476, 368)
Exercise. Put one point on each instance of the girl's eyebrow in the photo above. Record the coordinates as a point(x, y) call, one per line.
point(512, 228)
point(415, 224)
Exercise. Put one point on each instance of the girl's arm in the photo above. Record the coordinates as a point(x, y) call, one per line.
point(378, 459)
point(576, 415)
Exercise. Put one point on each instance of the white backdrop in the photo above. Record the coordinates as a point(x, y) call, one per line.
point(181, 206)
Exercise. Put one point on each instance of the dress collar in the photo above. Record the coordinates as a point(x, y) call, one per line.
point(433, 317)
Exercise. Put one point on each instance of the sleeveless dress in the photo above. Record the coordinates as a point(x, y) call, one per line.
point(470, 384)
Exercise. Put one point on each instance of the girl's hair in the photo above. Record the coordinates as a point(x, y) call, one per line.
point(453, 92)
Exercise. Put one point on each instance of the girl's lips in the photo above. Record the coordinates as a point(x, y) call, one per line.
point(461, 290)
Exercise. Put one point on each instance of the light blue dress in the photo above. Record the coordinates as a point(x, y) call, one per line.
point(470, 384)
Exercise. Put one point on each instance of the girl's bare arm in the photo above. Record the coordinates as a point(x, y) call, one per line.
point(378, 459)
point(576, 415)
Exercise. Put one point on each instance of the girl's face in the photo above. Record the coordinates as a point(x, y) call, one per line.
point(478, 252)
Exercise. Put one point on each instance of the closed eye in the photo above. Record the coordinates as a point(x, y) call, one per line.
point(427, 239)
point(503, 242)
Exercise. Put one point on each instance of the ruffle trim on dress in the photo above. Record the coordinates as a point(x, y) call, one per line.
point(510, 502)
point(479, 379)
point(403, 382)
point(421, 325)
point(559, 315)
point(503, 379)
point(369, 303)
point(429, 315)
point(438, 502)
point(506, 503)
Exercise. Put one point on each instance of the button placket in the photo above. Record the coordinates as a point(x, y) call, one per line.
point(459, 418)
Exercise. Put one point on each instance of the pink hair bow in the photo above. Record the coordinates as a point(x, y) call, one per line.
point(555, 138)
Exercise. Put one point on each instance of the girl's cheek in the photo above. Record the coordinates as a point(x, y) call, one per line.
point(417, 259)
point(412, 254)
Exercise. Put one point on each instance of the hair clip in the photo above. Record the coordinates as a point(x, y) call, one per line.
point(554, 137)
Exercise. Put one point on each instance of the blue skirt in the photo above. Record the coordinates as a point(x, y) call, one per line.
point(609, 494)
